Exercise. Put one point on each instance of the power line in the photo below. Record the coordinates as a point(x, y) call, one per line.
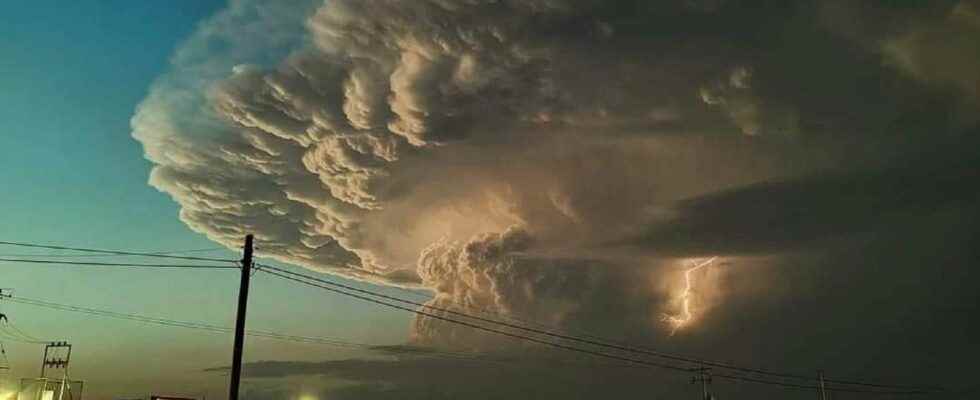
point(600, 342)
point(18, 335)
point(468, 324)
point(115, 252)
point(388, 349)
point(572, 348)
point(222, 329)
point(21, 333)
point(8, 336)
point(62, 255)
point(105, 264)
point(485, 311)
point(11, 332)
point(549, 343)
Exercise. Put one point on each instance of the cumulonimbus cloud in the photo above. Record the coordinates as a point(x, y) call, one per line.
point(469, 146)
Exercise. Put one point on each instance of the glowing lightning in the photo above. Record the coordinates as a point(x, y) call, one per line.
point(685, 316)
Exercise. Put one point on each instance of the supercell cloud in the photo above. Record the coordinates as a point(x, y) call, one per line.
point(561, 159)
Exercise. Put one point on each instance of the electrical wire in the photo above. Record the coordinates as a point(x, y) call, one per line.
point(385, 349)
point(603, 342)
point(5, 334)
point(61, 255)
point(106, 264)
point(600, 342)
point(485, 311)
point(114, 252)
point(561, 346)
point(21, 333)
point(11, 332)
point(222, 329)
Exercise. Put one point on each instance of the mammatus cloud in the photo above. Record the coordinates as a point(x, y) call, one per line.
point(562, 160)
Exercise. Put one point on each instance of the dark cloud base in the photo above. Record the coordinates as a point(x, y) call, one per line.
point(785, 215)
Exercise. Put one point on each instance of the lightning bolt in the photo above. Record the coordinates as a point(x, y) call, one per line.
point(685, 316)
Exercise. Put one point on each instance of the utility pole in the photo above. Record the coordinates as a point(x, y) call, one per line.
point(51, 361)
point(704, 377)
point(236, 361)
point(823, 387)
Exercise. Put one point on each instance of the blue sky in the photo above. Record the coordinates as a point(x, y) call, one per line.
point(72, 74)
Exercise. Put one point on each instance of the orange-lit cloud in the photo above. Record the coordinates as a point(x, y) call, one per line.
point(539, 157)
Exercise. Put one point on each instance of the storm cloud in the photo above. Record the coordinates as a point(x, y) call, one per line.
point(562, 160)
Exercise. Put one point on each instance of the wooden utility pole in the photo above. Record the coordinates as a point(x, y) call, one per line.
point(236, 361)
